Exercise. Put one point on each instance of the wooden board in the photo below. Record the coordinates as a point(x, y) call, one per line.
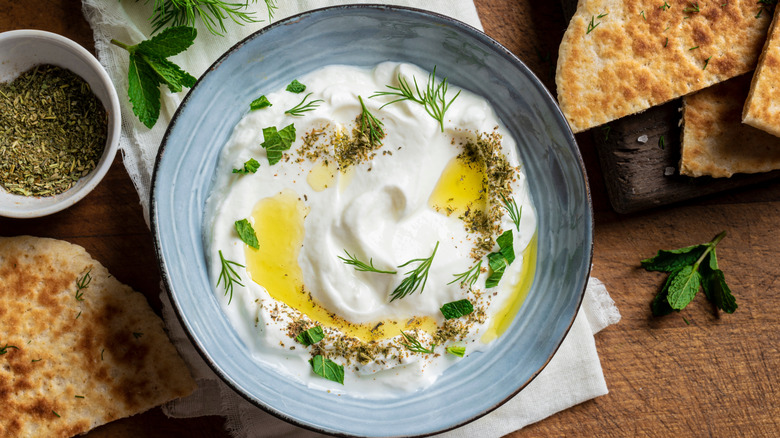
point(643, 174)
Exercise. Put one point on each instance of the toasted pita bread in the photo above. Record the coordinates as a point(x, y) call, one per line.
point(762, 108)
point(715, 142)
point(76, 358)
point(621, 57)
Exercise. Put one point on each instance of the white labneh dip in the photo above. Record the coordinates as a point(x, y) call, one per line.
point(382, 211)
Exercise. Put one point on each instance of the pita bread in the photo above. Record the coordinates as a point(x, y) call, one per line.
point(762, 108)
point(621, 57)
point(715, 142)
point(75, 359)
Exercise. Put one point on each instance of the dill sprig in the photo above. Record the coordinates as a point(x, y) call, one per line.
point(82, 283)
point(515, 212)
point(303, 107)
point(4, 349)
point(469, 277)
point(433, 98)
point(412, 344)
point(362, 266)
point(228, 275)
point(370, 126)
point(417, 277)
point(212, 13)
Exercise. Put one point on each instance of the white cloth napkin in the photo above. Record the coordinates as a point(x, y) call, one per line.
point(572, 376)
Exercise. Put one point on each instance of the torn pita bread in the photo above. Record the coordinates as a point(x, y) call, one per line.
point(715, 142)
point(762, 108)
point(622, 57)
point(77, 347)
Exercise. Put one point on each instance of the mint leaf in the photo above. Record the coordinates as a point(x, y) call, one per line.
point(718, 291)
point(672, 260)
point(250, 166)
point(456, 350)
point(296, 87)
point(148, 68)
point(247, 233)
point(456, 309)
point(275, 142)
point(327, 368)
point(144, 92)
point(498, 261)
point(311, 336)
point(260, 103)
point(683, 286)
point(168, 72)
point(169, 42)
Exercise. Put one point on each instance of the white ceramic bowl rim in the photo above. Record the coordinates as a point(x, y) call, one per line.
point(73, 56)
point(566, 137)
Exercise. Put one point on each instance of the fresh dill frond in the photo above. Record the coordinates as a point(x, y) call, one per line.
point(433, 98)
point(515, 212)
point(4, 349)
point(272, 7)
point(416, 278)
point(469, 277)
point(412, 344)
point(82, 283)
point(228, 275)
point(303, 107)
point(212, 13)
point(362, 266)
point(370, 126)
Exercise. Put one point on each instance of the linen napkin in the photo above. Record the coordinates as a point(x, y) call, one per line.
point(572, 376)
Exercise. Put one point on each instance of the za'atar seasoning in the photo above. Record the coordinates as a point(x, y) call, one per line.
point(53, 131)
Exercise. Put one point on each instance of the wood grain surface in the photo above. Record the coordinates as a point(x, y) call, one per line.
point(717, 375)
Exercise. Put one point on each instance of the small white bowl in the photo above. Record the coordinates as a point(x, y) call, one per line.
point(21, 50)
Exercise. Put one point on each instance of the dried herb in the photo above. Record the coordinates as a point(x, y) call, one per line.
point(53, 131)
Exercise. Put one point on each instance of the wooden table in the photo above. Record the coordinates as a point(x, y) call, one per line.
point(716, 375)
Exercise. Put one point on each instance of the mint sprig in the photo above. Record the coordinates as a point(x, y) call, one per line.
point(149, 68)
point(690, 269)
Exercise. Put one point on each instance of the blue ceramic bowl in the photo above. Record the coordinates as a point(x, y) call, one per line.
point(365, 36)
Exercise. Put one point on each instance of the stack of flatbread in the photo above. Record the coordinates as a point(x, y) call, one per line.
point(77, 348)
point(619, 58)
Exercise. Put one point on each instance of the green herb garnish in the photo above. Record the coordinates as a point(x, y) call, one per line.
point(260, 103)
point(664, 7)
point(412, 344)
point(592, 25)
point(661, 142)
point(228, 275)
point(79, 396)
point(250, 166)
point(498, 261)
point(456, 350)
point(36, 360)
point(4, 349)
point(362, 266)
point(303, 107)
point(417, 277)
point(469, 277)
point(694, 7)
point(295, 87)
point(275, 142)
point(149, 68)
point(370, 126)
point(327, 368)
point(82, 283)
point(456, 309)
point(55, 413)
point(642, 13)
point(706, 61)
point(515, 213)
point(247, 233)
point(310, 336)
point(211, 12)
point(690, 268)
point(433, 99)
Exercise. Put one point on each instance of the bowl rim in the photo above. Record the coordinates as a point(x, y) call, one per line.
point(470, 31)
point(73, 195)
